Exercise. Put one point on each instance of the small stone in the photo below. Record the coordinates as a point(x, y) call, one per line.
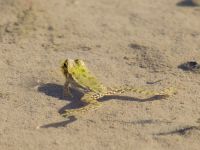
point(126, 58)
point(50, 28)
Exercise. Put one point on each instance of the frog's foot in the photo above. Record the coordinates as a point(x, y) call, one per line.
point(164, 93)
point(67, 93)
point(168, 92)
point(81, 111)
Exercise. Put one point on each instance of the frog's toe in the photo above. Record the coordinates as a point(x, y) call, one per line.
point(66, 114)
point(68, 95)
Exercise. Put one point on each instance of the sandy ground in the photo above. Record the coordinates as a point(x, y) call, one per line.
point(135, 42)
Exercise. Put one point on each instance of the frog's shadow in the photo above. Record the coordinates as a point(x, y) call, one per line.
point(56, 90)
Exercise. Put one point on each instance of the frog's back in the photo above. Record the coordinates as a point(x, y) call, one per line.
point(85, 78)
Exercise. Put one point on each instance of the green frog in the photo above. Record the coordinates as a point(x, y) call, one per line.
point(79, 76)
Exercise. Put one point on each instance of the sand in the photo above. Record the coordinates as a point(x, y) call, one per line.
point(134, 42)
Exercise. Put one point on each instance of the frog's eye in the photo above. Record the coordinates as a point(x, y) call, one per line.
point(65, 64)
point(77, 61)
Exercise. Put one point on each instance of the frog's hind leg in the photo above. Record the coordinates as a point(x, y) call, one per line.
point(166, 92)
point(91, 104)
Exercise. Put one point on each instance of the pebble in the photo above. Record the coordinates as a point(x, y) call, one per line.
point(196, 2)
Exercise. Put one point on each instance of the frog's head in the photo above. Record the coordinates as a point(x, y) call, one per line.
point(71, 64)
point(76, 71)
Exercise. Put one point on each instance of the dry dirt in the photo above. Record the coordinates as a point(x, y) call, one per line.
point(135, 42)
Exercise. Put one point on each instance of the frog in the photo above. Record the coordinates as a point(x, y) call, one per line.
point(78, 76)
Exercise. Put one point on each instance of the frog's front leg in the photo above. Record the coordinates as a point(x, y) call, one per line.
point(91, 104)
point(66, 90)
